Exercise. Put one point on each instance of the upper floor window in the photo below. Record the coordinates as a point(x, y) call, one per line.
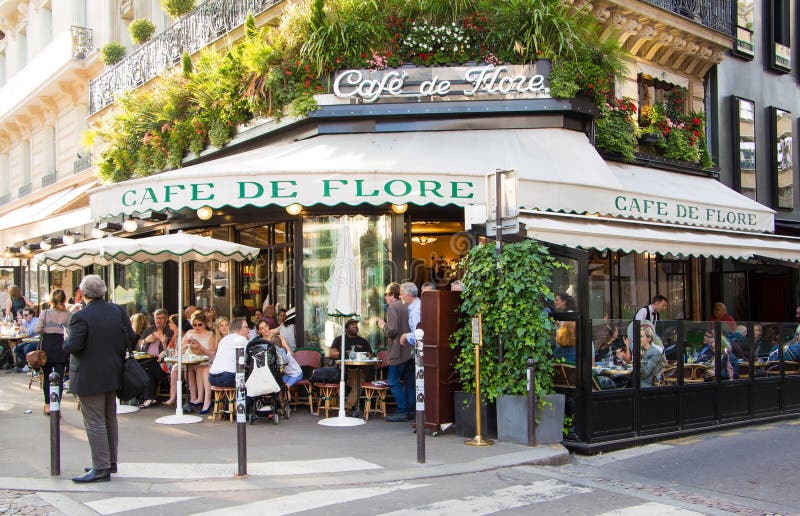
point(745, 37)
point(5, 175)
point(782, 159)
point(779, 46)
point(2, 69)
point(744, 146)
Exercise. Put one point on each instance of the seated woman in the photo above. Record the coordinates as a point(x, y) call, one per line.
point(652, 357)
point(173, 372)
point(565, 340)
point(201, 342)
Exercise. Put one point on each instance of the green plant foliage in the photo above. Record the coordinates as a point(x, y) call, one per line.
point(617, 131)
point(113, 53)
point(186, 64)
point(176, 8)
point(141, 30)
point(511, 298)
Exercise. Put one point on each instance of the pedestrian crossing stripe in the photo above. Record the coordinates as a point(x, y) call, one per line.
point(308, 500)
point(503, 499)
point(188, 471)
point(651, 508)
point(129, 503)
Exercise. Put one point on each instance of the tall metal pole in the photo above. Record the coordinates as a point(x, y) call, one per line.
point(531, 403)
point(55, 424)
point(499, 243)
point(419, 394)
point(478, 440)
point(241, 414)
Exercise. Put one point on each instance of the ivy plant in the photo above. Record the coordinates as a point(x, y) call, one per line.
point(510, 291)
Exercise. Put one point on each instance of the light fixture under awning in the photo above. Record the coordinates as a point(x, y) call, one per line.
point(630, 236)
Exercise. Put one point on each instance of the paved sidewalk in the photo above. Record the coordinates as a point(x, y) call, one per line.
point(296, 453)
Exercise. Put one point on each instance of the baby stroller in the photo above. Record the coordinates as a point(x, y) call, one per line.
point(267, 406)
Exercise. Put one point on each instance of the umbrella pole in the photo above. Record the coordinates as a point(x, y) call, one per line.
point(121, 409)
point(342, 358)
point(179, 343)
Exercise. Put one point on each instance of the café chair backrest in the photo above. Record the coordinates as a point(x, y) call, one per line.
point(564, 375)
point(308, 358)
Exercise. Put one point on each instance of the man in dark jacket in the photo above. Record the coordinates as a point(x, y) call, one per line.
point(98, 336)
point(401, 364)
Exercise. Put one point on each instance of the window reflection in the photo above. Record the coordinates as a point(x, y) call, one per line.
point(612, 367)
point(783, 167)
point(744, 125)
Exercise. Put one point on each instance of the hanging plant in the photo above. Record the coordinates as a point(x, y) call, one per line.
point(141, 30)
point(177, 8)
point(113, 53)
point(501, 288)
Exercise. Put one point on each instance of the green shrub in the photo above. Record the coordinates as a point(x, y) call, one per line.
point(177, 8)
point(616, 133)
point(141, 30)
point(113, 53)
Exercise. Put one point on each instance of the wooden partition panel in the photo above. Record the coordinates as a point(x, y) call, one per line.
point(440, 317)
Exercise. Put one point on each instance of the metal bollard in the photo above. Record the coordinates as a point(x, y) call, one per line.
point(419, 395)
point(241, 414)
point(531, 404)
point(55, 425)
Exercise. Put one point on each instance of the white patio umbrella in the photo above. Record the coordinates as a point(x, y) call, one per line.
point(80, 255)
point(179, 247)
point(344, 301)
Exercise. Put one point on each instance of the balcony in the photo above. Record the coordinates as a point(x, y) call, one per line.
point(82, 163)
point(5, 199)
point(49, 179)
point(209, 22)
point(24, 190)
point(714, 14)
point(82, 43)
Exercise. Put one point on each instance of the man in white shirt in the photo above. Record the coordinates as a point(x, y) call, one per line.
point(650, 313)
point(223, 371)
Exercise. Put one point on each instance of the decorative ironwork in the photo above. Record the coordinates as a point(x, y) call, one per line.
point(49, 179)
point(82, 43)
point(207, 23)
point(82, 163)
point(24, 190)
point(5, 199)
point(714, 14)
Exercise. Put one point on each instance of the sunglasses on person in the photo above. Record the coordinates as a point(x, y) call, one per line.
point(197, 324)
point(27, 315)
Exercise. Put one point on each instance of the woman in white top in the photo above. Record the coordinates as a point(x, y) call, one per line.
point(286, 328)
point(201, 342)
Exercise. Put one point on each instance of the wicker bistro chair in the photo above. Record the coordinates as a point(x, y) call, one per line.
point(224, 403)
point(309, 358)
point(377, 389)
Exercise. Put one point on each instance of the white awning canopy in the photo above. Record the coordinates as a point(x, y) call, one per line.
point(586, 232)
point(558, 170)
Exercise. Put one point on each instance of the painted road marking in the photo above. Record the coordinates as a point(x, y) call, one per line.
point(607, 458)
point(500, 500)
point(683, 441)
point(728, 434)
point(656, 509)
point(129, 503)
point(308, 500)
point(267, 469)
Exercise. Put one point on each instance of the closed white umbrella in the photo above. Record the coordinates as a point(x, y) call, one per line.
point(178, 247)
point(344, 302)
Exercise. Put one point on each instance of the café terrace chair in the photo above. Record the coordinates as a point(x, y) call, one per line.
point(694, 373)
point(377, 388)
point(309, 358)
point(564, 375)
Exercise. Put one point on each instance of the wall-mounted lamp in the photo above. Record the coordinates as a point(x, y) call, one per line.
point(423, 240)
point(47, 243)
point(154, 216)
point(96, 232)
point(27, 248)
point(205, 213)
point(294, 209)
point(69, 238)
point(11, 252)
point(130, 225)
point(399, 208)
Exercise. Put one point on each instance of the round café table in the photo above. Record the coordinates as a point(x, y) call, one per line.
point(359, 364)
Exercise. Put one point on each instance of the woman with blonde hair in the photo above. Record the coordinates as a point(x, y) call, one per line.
point(139, 323)
point(223, 327)
point(51, 328)
point(652, 357)
point(201, 342)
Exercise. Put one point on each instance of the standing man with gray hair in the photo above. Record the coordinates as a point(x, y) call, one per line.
point(410, 296)
point(99, 335)
point(401, 365)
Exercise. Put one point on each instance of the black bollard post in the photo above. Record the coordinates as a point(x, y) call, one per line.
point(531, 403)
point(419, 395)
point(55, 425)
point(241, 414)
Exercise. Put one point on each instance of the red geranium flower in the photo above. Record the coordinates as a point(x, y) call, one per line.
point(696, 121)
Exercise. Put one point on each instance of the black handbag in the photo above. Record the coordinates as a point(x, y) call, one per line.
point(134, 380)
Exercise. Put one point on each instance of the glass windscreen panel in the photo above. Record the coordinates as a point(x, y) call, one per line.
point(564, 285)
point(612, 360)
point(745, 139)
point(783, 167)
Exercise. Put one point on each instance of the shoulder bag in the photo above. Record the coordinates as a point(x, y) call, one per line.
point(261, 382)
point(37, 358)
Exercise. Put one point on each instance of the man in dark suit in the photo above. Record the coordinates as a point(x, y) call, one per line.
point(98, 336)
point(401, 364)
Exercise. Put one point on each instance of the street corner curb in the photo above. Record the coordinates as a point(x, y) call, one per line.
point(559, 456)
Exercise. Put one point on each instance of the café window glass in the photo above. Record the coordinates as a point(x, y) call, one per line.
point(745, 37)
point(779, 51)
point(744, 147)
point(782, 159)
point(139, 287)
point(370, 237)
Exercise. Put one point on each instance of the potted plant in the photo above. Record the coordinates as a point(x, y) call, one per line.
point(501, 289)
point(141, 30)
point(113, 53)
point(177, 8)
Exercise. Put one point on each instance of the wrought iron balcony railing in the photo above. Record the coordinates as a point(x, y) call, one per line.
point(82, 42)
point(24, 190)
point(49, 179)
point(82, 163)
point(207, 23)
point(714, 14)
point(5, 199)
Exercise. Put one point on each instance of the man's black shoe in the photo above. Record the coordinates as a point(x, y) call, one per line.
point(113, 468)
point(397, 418)
point(94, 475)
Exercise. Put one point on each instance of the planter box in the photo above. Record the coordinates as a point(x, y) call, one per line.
point(465, 416)
point(512, 419)
point(648, 139)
